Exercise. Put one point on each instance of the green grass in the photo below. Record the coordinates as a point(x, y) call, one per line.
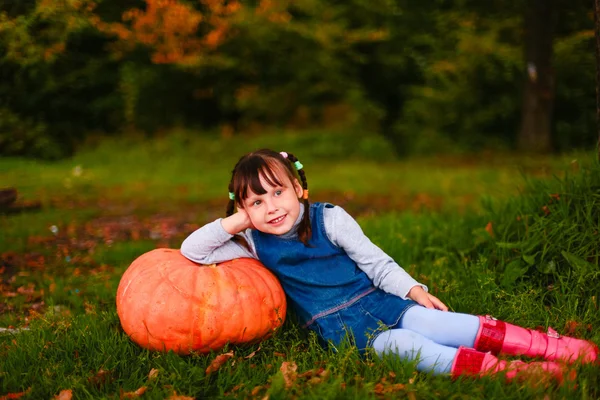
point(538, 268)
point(182, 167)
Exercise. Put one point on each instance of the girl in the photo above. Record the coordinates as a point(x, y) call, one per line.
point(342, 285)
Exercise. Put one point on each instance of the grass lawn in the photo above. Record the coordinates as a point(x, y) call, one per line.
point(512, 236)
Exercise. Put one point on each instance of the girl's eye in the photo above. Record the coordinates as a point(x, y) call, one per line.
point(256, 203)
point(278, 193)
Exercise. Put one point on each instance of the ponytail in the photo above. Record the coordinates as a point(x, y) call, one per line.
point(304, 229)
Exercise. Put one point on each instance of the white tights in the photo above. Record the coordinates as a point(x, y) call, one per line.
point(429, 336)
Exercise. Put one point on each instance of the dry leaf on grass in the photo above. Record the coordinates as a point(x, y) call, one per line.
point(10, 396)
point(489, 229)
point(153, 374)
point(288, 369)
point(133, 395)
point(66, 394)
point(101, 377)
point(218, 362)
point(252, 354)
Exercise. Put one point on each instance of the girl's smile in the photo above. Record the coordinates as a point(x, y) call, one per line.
point(277, 220)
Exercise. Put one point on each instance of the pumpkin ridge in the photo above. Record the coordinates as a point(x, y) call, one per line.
point(164, 270)
point(265, 325)
point(249, 273)
point(232, 273)
point(220, 326)
point(164, 346)
point(196, 335)
point(272, 309)
point(166, 278)
point(124, 303)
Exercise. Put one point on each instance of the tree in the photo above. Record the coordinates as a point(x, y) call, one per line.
point(538, 96)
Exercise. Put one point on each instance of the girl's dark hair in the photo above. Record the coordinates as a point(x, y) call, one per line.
point(268, 164)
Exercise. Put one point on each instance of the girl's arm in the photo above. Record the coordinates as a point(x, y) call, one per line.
point(386, 274)
point(212, 244)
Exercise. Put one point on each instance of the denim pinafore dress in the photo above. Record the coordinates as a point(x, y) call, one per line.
point(326, 289)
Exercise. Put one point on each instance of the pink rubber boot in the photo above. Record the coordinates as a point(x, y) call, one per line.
point(499, 337)
point(470, 362)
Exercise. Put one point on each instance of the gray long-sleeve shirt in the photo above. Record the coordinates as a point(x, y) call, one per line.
point(212, 244)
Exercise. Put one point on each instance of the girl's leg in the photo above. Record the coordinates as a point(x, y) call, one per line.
point(410, 346)
point(438, 359)
point(443, 327)
point(487, 334)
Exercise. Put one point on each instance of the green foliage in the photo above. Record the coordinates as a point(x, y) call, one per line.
point(26, 136)
point(470, 94)
point(438, 76)
point(58, 80)
point(575, 102)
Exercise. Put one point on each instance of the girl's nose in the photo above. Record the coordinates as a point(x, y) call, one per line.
point(271, 206)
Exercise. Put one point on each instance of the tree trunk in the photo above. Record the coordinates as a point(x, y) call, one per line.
point(538, 96)
point(597, 29)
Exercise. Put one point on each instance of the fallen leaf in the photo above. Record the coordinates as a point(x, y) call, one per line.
point(546, 210)
point(288, 369)
point(66, 394)
point(236, 388)
point(315, 381)
point(307, 374)
point(218, 362)
point(153, 374)
point(10, 396)
point(275, 353)
point(489, 229)
point(132, 395)
point(252, 354)
point(256, 390)
point(101, 377)
point(571, 327)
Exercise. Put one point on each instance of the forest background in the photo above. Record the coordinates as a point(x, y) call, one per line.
point(437, 76)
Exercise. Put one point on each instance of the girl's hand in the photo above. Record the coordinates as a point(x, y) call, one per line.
point(238, 222)
point(245, 219)
point(418, 294)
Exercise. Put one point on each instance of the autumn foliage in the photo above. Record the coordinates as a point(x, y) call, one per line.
point(175, 32)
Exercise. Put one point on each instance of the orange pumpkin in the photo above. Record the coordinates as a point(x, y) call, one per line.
point(167, 302)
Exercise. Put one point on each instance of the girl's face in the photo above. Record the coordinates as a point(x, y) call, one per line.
point(276, 211)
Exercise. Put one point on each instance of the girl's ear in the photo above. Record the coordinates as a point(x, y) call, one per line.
point(298, 188)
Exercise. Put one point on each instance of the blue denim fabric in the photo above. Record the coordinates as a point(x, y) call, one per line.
point(325, 287)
